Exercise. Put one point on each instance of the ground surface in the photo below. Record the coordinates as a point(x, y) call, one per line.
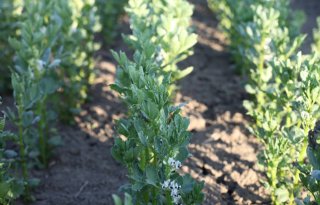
point(83, 171)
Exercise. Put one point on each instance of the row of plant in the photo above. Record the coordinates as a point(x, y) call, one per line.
point(106, 13)
point(310, 172)
point(153, 138)
point(10, 12)
point(284, 87)
point(10, 186)
point(315, 47)
point(110, 12)
point(49, 57)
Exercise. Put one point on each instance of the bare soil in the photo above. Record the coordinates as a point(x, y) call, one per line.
point(83, 171)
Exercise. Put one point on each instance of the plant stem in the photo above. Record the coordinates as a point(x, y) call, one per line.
point(301, 157)
point(261, 58)
point(42, 140)
point(22, 152)
point(274, 179)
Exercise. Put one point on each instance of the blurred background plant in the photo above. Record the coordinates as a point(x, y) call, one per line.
point(315, 47)
point(264, 40)
point(11, 187)
point(10, 12)
point(167, 24)
point(79, 24)
point(310, 172)
point(110, 11)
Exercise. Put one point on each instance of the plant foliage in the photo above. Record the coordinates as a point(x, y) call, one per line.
point(153, 138)
point(167, 24)
point(10, 12)
point(10, 186)
point(284, 85)
point(109, 12)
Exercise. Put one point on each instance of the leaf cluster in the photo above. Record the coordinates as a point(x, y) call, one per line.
point(283, 84)
point(10, 187)
point(310, 173)
point(154, 132)
point(109, 12)
point(153, 139)
point(167, 24)
point(10, 11)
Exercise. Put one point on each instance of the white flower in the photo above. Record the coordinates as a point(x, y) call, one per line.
point(171, 161)
point(165, 184)
point(159, 56)
point(176, 200)
point(174, 164)
point(43, 30)
point(41, 64)
point(178, 165)
point(174, 187)
point(305, 115)
point(174, 192)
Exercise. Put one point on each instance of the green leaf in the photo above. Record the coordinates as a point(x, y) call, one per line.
point(183, 154)
point(128, 199)
point(282, 194)
point(116, 199)
point(137, 186)
point(16, 189)
point(312, 158)
point(2, 124)
point(184, 73)
point(10, 154)
point(152, 175)
point(27, 118)
point(117, 88)
point(143, 138)
point(55, 141)
point(4, 189)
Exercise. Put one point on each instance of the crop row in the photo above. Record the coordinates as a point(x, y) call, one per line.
point(46, 52)
point(285, 92)
point(153, 138)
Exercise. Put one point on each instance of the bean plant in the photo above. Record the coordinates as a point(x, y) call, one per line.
point(310, 173)
point(289, 112)
point(127, 200)
point(10, 12)
point(79, 23)
point(156, 135)
point(315, 47)
point(10, 187)
point(284, 85)
point(153, 139)
point(110, 11)
point(167, 24)
point(233, 14)
point(33, 81)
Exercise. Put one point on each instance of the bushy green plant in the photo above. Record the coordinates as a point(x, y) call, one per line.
point(315, 47)
point(310, 173)
point(167, 25)
point(127, 200)
point(156, 135)
point(236, 16)
point(54, 50)
point(10, 12)
point(290, 109)
point(10, 187)
point(79, 23)
point(33, 81)
point(109, 12)
point(285, 105)
point(153, 139)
